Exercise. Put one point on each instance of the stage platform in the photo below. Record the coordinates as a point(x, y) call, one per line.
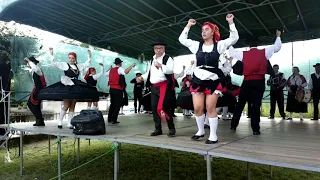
point(291, 144)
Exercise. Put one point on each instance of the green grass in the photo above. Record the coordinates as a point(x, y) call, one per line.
point(136, 163)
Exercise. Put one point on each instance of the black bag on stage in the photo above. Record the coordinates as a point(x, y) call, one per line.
point(89, 122)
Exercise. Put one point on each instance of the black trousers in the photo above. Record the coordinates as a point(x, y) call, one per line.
point(35, 105)
point(173, 102)
point(116, 97)
point(137, 96)
point(277, 96)
point(252, 90)
point(155, 96)
point(249, 106)
point(316, 97)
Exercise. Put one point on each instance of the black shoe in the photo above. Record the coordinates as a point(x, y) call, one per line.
point(172, 132)
point(60, 126)
point(315, 119)
point(206, 126)
point(173, 115)
point(156, 132)
point(39, 123)
point(196, 137)
point(289, 118)
point(283, 117)
point(233, 129)
point(211, 142)
point(115, 122)
point(271, 117)
point(256, 132)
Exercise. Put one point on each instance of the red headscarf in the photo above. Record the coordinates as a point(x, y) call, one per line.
point(74, 55)
point(215, 29)
point(90, 70)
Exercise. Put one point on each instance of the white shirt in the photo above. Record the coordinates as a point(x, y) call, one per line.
point(158, 75)
point(269, 51)
point(98, 75)
point(222, 45)
point(64, 66)
point(35, 69)
point(121, 71)
point(297, 80)
point(310, 81)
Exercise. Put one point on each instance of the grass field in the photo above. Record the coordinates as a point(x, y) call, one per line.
point(136, 163)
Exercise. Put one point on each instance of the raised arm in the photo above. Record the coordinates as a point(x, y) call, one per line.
point(235, 54)
point(61, 65)
point(233, 37)
point(98, 75)
point(129, 68)
point(269, 51)
point(85, 65)
point(189, 43)
point(34, 68)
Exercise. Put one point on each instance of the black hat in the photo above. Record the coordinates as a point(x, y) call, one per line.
point(138, 73)
point(159, 42)
point(118, 61)
point(318, 64)
point(32, 59)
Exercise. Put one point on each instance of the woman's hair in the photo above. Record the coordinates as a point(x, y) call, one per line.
point(295, 67)
point(90, 70)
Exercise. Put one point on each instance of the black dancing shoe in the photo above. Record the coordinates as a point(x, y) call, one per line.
point(60, 126)
point(256, 133)
point(206, 126)
point(39, 123)
point(172, 132)
point(196, 137)
point(211, 142)
point(233, 129)
point(156, 132)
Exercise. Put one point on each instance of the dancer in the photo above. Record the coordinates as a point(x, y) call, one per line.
point(160, 76)
point(137, 93)
point(277, 84)
point(70, 89)
point(208, 77)
point(296, 81)
point(186, 83)
point(117, 85)
point(255, 65)
point(91, 77)
point(34, 103)
point(314, 85)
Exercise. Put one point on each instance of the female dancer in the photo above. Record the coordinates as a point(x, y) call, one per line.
point(296, 81)
point(70, 89)
point(208, 79)
point(91, 78)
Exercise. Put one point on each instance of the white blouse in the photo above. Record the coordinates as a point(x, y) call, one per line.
point(222, 45)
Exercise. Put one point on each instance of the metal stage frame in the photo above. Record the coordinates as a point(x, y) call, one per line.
point(288, 144)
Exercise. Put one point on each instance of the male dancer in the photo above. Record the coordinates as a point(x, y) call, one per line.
point(314, 85)
point(255, 65)
point(137, 93)
point(117, 84)
point(39, 83)
point(277, 84)
point(160, 75)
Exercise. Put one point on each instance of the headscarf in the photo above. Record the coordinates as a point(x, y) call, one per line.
point(90, 70)
point(74, 55)
point(215, 29)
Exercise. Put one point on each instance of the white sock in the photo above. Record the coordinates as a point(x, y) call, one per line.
point(70, 116)
point(301, 115)
point(62, 114)
point(213, 129)
point(200, 123)
point(206, 120)
point(290, 116)
point(225, 112)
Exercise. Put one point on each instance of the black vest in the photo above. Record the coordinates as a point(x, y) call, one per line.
point(91, 81)
point(210, 59)
point(37, 80)
point(71, 73)
point(168, 76)
point(315, 83)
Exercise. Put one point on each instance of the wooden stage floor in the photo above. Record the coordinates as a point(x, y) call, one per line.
point(291, 144)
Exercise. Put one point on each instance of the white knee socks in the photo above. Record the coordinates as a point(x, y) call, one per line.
point(200, 123)
point(206, 120)
point(70, 116)
point(62, 114)
point(213, 129)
